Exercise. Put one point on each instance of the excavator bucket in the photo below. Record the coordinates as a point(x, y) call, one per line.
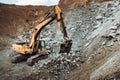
point(65, 47)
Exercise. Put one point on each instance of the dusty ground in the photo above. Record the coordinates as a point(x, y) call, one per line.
point(95, 32)
point(13, 21)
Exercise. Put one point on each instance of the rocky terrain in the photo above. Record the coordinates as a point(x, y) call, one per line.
point(94, 30)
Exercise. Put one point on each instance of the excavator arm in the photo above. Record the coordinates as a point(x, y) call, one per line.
point(60, 22)
point(66, 45)
point(37, 30)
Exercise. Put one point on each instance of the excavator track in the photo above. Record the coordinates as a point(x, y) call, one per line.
point(31, 59)
point(19, 58)
point(35, 58)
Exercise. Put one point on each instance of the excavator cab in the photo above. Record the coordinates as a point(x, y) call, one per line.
point(25, 52)
point(23, 48)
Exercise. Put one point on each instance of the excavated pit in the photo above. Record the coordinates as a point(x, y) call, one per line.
point(93, 43)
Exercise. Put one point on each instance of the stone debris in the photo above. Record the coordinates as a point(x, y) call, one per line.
point(80, 26)
point(99, 17)
point(113, 27)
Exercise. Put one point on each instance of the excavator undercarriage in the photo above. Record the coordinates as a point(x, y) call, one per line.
point(35, 49)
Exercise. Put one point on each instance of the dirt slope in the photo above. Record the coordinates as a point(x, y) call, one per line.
point(94, 31)
point(11, 16)
point(101, 55)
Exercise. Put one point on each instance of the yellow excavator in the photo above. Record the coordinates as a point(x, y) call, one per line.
point(35, 48)
point(85, 2)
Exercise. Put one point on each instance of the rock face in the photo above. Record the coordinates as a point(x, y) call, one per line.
point(95, 32)
point(71, 4)
point(101, 54)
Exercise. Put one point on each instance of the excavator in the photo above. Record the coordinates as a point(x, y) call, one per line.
point(85, 2)
point(32, 50)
